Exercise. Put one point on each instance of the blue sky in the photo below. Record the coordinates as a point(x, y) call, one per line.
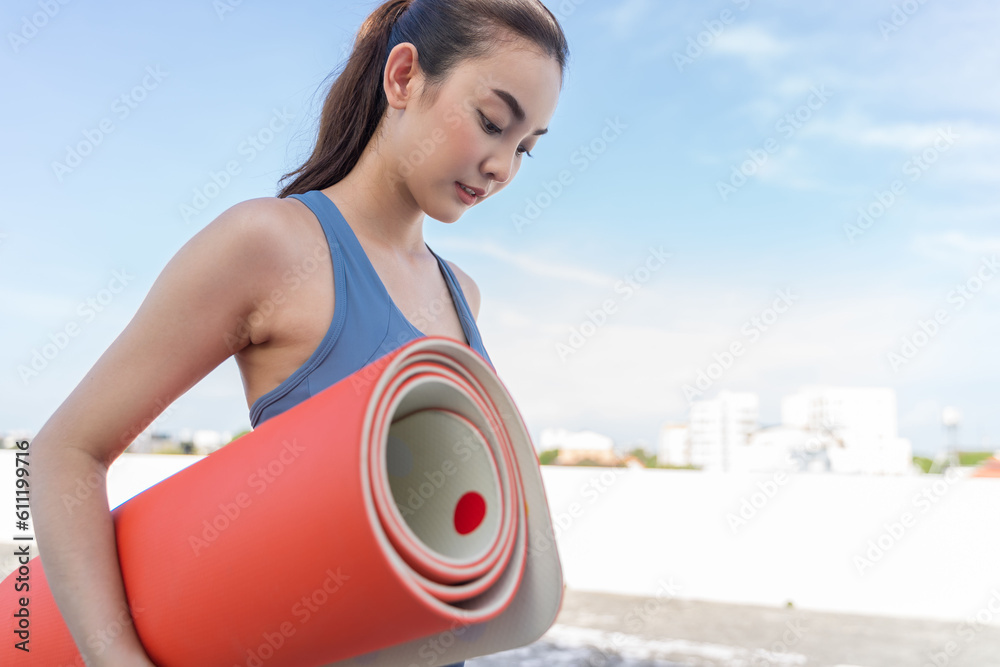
point(739, 138)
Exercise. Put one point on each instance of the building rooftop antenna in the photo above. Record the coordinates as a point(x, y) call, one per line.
point(950, 419)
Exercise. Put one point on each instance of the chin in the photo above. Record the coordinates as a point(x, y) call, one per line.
point(448, 219)
point(447, 214)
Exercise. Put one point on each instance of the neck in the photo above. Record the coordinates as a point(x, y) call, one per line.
point(378, 206)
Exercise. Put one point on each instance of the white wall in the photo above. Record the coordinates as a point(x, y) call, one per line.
point(632, 530)
point(636, 531)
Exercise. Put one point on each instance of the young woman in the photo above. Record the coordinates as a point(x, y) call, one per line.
point(433, 113)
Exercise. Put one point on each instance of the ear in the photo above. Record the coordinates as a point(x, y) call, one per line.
point(402, 76)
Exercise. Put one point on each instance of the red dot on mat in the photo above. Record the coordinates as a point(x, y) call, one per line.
point(469, 512)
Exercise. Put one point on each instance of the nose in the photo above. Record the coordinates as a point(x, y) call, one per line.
point(499, 168)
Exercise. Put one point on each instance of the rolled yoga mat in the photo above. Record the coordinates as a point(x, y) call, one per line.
point(396, 518)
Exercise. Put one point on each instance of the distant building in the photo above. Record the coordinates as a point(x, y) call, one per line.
point(784, 447)
point(187, 441)
point(853, 411)
point(202, 441)
point(9, 439)
point(206, 442)
point(674, 446)
point(719, 426)
point(631, 461)
point(577, 446)
point(860, 422)
point(153, 442)
point(831, 429)
point(142, 444)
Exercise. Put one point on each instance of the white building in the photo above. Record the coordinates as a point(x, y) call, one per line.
point(720, 426)
point(204, 441)
point(853, 411)
point(784, 447)
point(836, 429)
point(197, 441)
point(9, 439)
point(207, 441)
point(576, 446)
point(862, 421)
point(674, 446)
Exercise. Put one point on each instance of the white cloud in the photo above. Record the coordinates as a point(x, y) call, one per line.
point(750, 41)
point(629, 375)
point(530, 264)
point(955, 246)
point(633, 370)
point(983, 170)
point(627, 15)
point(963, 242)
point(793, 168)
point(38, 306)
point(909, 136)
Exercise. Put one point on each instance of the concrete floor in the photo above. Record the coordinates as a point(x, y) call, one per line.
point(598, 629)
point(606, 630)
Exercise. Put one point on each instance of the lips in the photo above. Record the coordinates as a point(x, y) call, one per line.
point(468, 195)
point(478, 192)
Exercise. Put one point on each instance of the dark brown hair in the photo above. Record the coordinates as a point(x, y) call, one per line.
point(444, 32)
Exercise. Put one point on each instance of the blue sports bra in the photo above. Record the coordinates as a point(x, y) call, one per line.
point(366, 323)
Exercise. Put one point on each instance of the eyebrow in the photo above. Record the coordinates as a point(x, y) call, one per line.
point(515, 108)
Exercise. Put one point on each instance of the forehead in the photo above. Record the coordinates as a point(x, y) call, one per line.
point(516, 67)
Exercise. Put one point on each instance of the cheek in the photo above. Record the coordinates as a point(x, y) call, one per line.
point(463, 146)
point(457, 156)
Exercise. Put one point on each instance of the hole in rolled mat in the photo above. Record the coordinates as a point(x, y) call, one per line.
point(443, 482)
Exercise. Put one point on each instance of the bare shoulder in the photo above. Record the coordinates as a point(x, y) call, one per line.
point(272, 234)
point(469, 288)
point(193, 318)
point(265, 225)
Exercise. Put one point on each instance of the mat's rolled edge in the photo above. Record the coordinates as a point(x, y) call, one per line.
point(538, 600)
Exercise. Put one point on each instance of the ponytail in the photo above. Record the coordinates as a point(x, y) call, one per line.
point(444, 32)
point(353, 107)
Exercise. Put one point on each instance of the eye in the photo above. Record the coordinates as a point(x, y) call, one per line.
point(489, 126)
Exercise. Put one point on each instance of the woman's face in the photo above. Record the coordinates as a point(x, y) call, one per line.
point(477, 128)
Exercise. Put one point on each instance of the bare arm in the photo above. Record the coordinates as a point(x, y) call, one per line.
point(187, 325)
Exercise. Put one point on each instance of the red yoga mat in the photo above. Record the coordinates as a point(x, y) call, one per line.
point(396, 518)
